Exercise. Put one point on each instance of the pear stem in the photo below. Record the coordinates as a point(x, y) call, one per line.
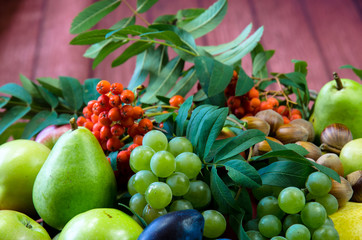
point(73, 124)
point(338, 81)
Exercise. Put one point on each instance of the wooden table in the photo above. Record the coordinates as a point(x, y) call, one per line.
point(326, 33)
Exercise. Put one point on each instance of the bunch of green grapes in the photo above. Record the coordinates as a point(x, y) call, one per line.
point(293, 215)
point(165, 180)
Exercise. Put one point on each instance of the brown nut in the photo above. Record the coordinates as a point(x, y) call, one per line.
point(342, 191)
point(274, 119)
point(307, 125)
point(263, 147)
point(289, 133)
point(355, 179)
point(257, 123)
point(314, 151)
point(334, 137)
point(332, 161)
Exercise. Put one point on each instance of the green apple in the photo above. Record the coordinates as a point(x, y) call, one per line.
point(351, 156)
point(20, 162)
point(101, 223)
point(339, 101)
point(17, 225)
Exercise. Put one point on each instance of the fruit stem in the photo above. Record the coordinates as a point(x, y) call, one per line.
point(73, 124)
point(338, 81)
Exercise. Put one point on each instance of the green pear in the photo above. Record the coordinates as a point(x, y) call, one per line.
point(75, 178)
point(339, 101)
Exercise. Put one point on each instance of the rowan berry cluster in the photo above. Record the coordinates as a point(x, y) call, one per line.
point(250, 103)
point(112, 117)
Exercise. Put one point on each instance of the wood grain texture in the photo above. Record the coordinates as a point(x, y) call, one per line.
point(326, 33)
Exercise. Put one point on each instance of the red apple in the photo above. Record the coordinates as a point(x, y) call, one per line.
point(50, 135)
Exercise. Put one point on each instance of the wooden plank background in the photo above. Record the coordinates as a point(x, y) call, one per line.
point(34, 36)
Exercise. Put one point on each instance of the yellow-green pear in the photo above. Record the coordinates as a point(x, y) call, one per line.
point(339, 101)
point(75, 178)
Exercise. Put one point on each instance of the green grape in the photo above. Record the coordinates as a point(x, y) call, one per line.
point(297, 232)
point(255, 235)
point(291, 200)
point(325, 232)
point(155, 139)
point(318, 184)
point(269, 206)
point(329, 222)
point(313, 215)
point(149, 214)
point(179, 145)
point(143, 179)
point(266, 190)
point(130, 185)
point(140, 158)
point(137, 203)
point(158, 195)
point(329, 202)
point(270, 226)
point(163, 164)
point(180, 204)
point(278, 238)
point(199, 194)
point(310, 197)
point(189, 164)
point(252, 224)
point(215, 223)
point(291, 220)
point(179, 183)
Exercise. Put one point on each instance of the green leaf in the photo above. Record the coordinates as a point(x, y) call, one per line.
point(296, 148)
point(90, 90)
point(131, 51)
point(125, 22)
point(184, 16)
point(93, 51)
point(13, 132)
point(133, 30)
point(182, 115)
point(208, 20)
point(221, 193)
point(243, 174)
point(3, 101)
point(91, 37)
point(244, 83)
point(144, 5)
point(232, 56)
point(164, 82)
point(40, 121)
point(169, 36)
point(91, 15)
point(213, 75)
point(300, 66)
point(52, 84)
point(240, 143)
point(11, 116)
point(106, 50)
point(113, 160)
point(185, 84)
point(205, 143)
point(49, 97)
point(230, 45)
point(72, 92)
point(17, 91)
point(236, 222)
point(165, 19)
point(29, 86)
point(285, 174)
point(357, 71)
point(63, 119)
point(144, 224)
point(260, 61)
point(164, 117)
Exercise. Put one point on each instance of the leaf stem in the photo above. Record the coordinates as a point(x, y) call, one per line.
point(162, 106)
point(136, 13)
point(156, 42)
point(236, 122)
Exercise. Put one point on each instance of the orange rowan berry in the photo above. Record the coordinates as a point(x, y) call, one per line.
point(145, 125)
point(137, 112)
point(264, 105)
point(97, 108)
point(104, 119)
point(91, 103)
point(253, 93)
point(81, 120)
point(117, 88)
point(127, 96)
point(283, 110)
point(87, 113)
point(295, 116)
point(94, 118)
point(105, 133)
point(176, 100)
point(113, 144)
point(103, 101)
point(114, 114)
point(88, 124)
point(255, 102)
point(295, 112)
point(286, 120)
point(235, 74)
point(114, 100)
point(127, 111)
point(97, 126)
point(117, 130)
point(97, 135)
point(133, 130)
point(127, 122)
point(132, 146)
point(239, 112)
point(123, 159)
point(138, 139)
point(103, 87)
point(273, 101)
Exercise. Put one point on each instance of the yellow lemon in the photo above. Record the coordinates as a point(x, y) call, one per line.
point(348, 221)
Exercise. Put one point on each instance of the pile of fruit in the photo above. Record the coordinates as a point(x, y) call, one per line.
point(239, 159)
